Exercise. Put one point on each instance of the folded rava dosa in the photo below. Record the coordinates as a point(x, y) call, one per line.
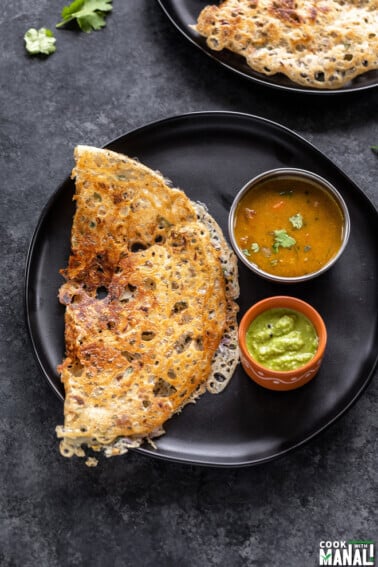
point(150, 316)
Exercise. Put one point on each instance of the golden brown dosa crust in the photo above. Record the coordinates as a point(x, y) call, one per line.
point(147, 304)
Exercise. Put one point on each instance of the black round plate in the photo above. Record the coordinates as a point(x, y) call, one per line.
point(184, 13)
point(211, 155)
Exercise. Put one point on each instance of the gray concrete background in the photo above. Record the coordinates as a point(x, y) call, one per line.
point(138, 511)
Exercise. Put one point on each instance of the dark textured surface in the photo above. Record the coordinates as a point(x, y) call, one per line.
point(135, 510)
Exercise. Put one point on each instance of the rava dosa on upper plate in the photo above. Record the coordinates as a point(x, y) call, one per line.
point(321, 44)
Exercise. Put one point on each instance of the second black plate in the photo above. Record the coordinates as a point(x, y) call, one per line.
point(184, 13)
point(211, 155)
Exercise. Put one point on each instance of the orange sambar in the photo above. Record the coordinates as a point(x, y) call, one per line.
point(288, 227)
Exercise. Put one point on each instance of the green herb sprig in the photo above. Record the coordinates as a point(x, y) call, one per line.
point(89, 14)
point(283, 239)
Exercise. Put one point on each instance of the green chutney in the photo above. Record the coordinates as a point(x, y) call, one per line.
point(282, 339)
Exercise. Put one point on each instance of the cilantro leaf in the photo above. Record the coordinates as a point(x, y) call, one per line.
point(89, 14)
point(283, 239)
point(296, 220)
point(40, 41)
point(253, 248)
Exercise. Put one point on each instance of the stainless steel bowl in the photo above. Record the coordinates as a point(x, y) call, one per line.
point(290, 174)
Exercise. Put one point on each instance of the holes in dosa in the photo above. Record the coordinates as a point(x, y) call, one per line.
point(150, 284)
point(171, 374)
point(125, 374)
point(319, 76)
point(138, 246)
point(76, 369)
point(163, 389)
point(198, 343)
point(163, 223)
point(148, 335)
point(97, 197)
point(130, 356)
point(128, 293)
point(179, 306)
point(183, 343)
point(218, 377)
point(101, 292)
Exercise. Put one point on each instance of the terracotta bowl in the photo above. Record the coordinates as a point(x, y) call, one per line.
point(282, 380)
